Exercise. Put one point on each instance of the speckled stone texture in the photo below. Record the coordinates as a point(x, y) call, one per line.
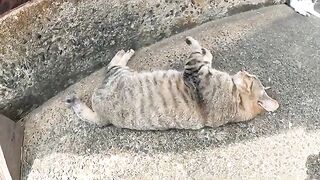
point(49, 44)
point(313, 165)
point(275, 43)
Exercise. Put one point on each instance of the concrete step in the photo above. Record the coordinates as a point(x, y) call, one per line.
point(275, 43)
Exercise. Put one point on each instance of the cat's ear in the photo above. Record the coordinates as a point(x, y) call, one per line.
point(242, 81)
point(267, 103)
point(240, 84)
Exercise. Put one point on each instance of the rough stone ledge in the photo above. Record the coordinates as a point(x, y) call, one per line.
point(46, 45)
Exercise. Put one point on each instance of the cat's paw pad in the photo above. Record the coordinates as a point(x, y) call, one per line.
point(189, 40)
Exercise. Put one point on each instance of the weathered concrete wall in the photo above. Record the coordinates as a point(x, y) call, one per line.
point(6, 5)
point(49, 44)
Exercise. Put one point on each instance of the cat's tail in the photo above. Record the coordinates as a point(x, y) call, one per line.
point(83, 111)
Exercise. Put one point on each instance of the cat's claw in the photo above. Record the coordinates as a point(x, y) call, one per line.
point(127, 56)
point(130, 52)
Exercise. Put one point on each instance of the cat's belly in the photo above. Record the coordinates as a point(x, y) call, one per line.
point(147, 101)
point(159, 121)
point(129, 115)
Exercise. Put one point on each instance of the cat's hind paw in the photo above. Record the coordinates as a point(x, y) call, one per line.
point(71, 100)
point(129, 53)
point(118, 55)
point(126, 57)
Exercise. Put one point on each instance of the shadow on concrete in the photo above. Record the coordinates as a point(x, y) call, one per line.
point(313, 166)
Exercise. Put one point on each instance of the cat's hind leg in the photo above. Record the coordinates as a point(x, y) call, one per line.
point(117, 58)
point(83, 111)
point(126, 57)
point(121, 58)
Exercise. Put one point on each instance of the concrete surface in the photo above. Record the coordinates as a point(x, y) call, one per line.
point(11, 137)
point(275, 43)
point(4, 170)
point(46, 45)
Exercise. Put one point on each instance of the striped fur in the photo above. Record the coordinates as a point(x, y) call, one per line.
point(197, 97)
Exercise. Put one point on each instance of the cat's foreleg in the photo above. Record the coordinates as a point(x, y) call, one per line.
point(196, 48)
point(194, 44)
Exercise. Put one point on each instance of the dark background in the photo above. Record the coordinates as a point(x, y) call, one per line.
point(6, 5)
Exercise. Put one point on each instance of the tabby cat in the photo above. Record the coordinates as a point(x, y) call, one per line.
point(159, 100)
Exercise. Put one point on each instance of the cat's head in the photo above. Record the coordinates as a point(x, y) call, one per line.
point(252, 92)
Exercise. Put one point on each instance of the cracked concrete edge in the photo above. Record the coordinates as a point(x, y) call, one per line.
point(47, 45)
